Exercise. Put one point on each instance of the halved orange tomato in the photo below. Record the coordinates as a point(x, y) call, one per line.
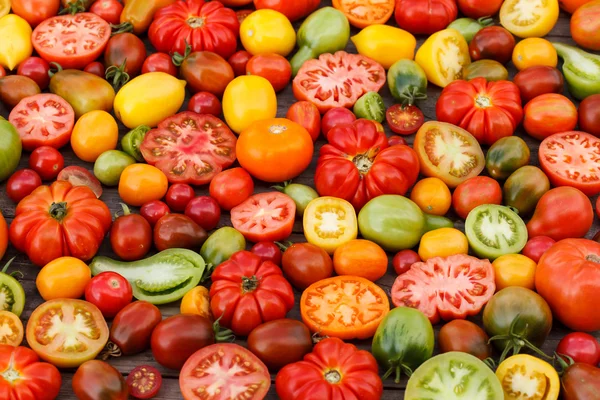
point(362, 13)
point(196, 301)
point(11, 329)
point(329, 222)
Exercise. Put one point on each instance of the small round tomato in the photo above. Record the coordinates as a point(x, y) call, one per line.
point(267, 251)
point(144, 382)
point(306, 114)
point(141, 183)
point(464, 336)
point(432, 196)
point(154, 210)
point(474, 192)
point(304, 264)
point(589, 115)
point(238, 62)
point(97, 379)
point(514, 270)
point(404, 120)
point(231, 187)
point(334, 117)
point(403, 260)
point(273, 67)
point(537, 246)
point(64, 277)
point(395, 139)
point(548, 114)
point(110, 292)
point(96, 68)
point(178, 231)
point(108, 10)
point(443, 242)
point(581, 347)
point(130, 236)
point(492, 43)
point(11, 329)
point(79, 176)
point(477, 9)
point(94, 133)
point(47, 162)
point(205, 103)
point(159, 62)
point(178, 196)
point(196, 301)
point(37, 69)
point(2, 72)
point(536, 81)
point(362, 258)
point(205, 211)
point(124, 56)
point(22, 183)
point(265, 217)
point(268, 31)
point(532, 52)
point(205, 71)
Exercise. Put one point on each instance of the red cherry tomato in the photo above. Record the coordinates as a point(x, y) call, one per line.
point(154, 210)
point(336, 116)
point(404, 120)
point(95, 68)
point(537, 246)
point(159, 62)
point(268, 251)
point(403, 260)
point(178, 196)
point(273, 67)
point(205, 103)
point(231, 187)
point(2, 71)
point(130, 236)
point(581, 347)
point(238, 62)
point(22, 183)
point(108, 10)
point(47, 162)
point(110, 292)
point(395, 139)
point(36, 69)
point(476, 8)
point(144, 382)
point(205, 211)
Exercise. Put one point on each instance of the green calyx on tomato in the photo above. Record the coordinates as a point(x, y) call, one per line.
point(10, 149)
point(220, 246)
point(581, 70)
point(407, 82)
point(506, 156)
point(11, 292)
point(109, 166)
point(301, 194)
point(370, 106)
point(133, 139)
point(468, 27)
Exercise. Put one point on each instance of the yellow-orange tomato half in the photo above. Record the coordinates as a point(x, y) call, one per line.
point(64, 277)
point(140, 183)
point(11, 329)
point(196, 301)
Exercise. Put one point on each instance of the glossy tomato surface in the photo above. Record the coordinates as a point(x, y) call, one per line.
point(110, 292)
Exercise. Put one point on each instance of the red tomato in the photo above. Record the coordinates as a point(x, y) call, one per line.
point(205, 103)
point(492, 43)
point(204, 211)
point(178, 196)
point(2, 72)
point(47, 162)
point(231, 187)
point(97, 379)
point(154, 210)
point(570, 159)
point(79, 176)
point(108, 10)
point(132, 327)
point(43, 120)
point(144, 382)
point(264, 294)
point(130, 236)
point(305, 263)
point(265, 217)
point(474, 192)
point(25, 377)
point(110, 292)
point(488, 110)
point(403, 260)
point(124, 57)
point(334, 117)
point(273, 67)
point(548, 114)
point(236, 3)
point(205, 71)
point(35, 11)
point(36, 69)
point(479, 8)
point(22, 183)
point(337, 80)
point(585, 27)
point(159, 62)
point(203, 25)
point(395, 139)
point(293, 10)
point(306, 114)
point(537, 246)
point(538, 80)
point(238, 62)
point(425, 16)
point(178, 231)
point(332, 369)
point(589, 115)
point(73, 41)
point(404, 120)
point(581, 347)
point(195, 157)
point(267, 251)
point(357, 165)
point(96, 68)
point(228, 368)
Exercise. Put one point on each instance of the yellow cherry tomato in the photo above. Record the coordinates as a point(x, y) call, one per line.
point(247, 99)
point(11, 329)
point(140, 183)
point(149, 99)
point(526, 377)
point(65, 277)
point(443, 242)
point(197, 301)
point(443, 57)
point(432, 196)
point(94, 133)
point(4, 7)
point(529, 18)
point(385, 44)
point(15, 40)
point(267, 31)
point(531, 52)
point(514, 270)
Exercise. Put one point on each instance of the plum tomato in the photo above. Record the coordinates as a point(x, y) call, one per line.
point(108, 10)
point(110, 292)
point(178, 231)
point(47, 162)
point(238, 62)
point(154, 210)
point(538, 80)
point(466, 337)
point(306, 114)
point(22, 183)
point(14, 88)
point(231, 187)
point(205, 211)
point(304, 264)
point(159, 62)
point(124, 57)
point(37, 69)
point(178, 196)
point(132, 327)
point(395, 139)
point(334, 117)
point(97, 379)
point(537, 246)
point(267, 251)
point(589, 115)
point(404, 259)
point(265, 216)
point(474, 192)
point(205, 71)
point(404, 120)
point(205, 103)
point(273, 67)
point(581, 347)
point(95, 68)
point(144, 382)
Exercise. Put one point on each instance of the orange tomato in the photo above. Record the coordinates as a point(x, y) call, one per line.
point(571, 5)
point(3, 235)
point(362, 13)
point(11, 329)
point(432, 196)
point(196, 301)
point(140, 183)
point(346, 307)
point(362, 258)
point(64, 277)
point(532, 52)
point(275, 149)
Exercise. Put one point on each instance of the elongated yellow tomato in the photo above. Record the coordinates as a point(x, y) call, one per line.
point(15, 40)
point(197, 301)
point(443, 57)
point(65, 277)
point(149, 99)
point(94, 133)
point(525, 377)
point(385, 44)
point(443, 242)
point(529, 18)
point(4, 7)
point(247, 99)
point(267, 31)
point(514, 270)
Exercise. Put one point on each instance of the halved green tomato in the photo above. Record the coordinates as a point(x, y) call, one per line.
point(11, 329)
point(494, 231)
point(454, 376)
point(529, 18)
point(67, 332)
point(329, 222)
point(12, 295)
point(524, 377)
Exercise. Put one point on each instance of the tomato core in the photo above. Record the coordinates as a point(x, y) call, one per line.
point(11, 375)
point(363, 163)
point(483, 102)
point(249, 284)
point(333, 376)
point(58, 210)
point(593, 258)
point(195, 22)
point(277, 129)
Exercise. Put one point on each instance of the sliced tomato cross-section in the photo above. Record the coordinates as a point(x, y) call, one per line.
point(329, 222)
point(362, 13)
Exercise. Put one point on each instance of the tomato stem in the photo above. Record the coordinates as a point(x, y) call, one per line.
point(516, 342)
point(109, 351)
point(55, 68)
point(363, 162)
point(118, 75)
point(593, 258)
point(284, 246)
point(332, 376)
point(250, 284)
point(410, 96)
point(126, 210)
point(399, 368)
point(486, 21)
point(222, 335)
point(58, 210)
point(73, 7)
point(178, 58)
point(280, 188)
point(8, 264)
point(562, 363)
point(121, 28)
point(195, 22)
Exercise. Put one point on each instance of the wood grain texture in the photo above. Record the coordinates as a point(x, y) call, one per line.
point(170, 388)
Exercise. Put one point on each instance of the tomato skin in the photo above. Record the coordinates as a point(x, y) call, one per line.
point(571, 5)
point(47, 162)
point(132, 327)
point(205, 103)
point(465, 336)
point(231, 187)
point(178, 196)
point(581, 347)
point(238, 62)
point(97, 380)
point(108, 10)
point(178, 231)
point(574, 376)
point(477, 9)
point(110, 292)
point(589, 115)
point(294, 11)
point(2, 72)
point(361, 258)
point(432, 196)
point(537, 246)
point(64, 277)
point(197, 301)
point(474, 192)
point(273, 67)
point(22, 183)
point(130, 236)
point(306, 114)
point(425, 17)
point(94, 133)
point(37, 69)
point(205, 71)
point(548, 114)
point(334, 117)
point(304, 264)
point(125, 48)
point(267, 251)
point(14, 88)
point(144, 382)
point(95, 68)
point(141, 183)
point(395, 139)
point(159, 62)
point(205, 211)
point(403, 260)
point(35, 11)
point(492, 43)
point(3, 237)
point(585, 26)
point(154, 210)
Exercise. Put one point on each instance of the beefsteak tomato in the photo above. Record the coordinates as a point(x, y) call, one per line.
point(294, 10)
point(425, 16)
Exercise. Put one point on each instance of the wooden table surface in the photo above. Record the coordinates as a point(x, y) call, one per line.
point(170, 388)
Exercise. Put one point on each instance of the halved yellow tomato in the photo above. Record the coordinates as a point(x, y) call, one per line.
point(329, 222)
point(525, 377)
point(514, 270)
point(11, 329)
point(196, 301)
point(529, 18)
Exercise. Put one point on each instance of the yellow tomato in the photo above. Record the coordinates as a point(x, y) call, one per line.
point(329, 222)
point(4, 7)
point(65, 277)
point(197, 301)
point(140, 183)
point(385, 44)
point(443, 242)
point(149, 99)
point(529, 18)
point(15, 40)
point(443, 57)
point(514, 270)
point(94, 133)
point(247, 99)
point(531, 52)
point(11, 329)
point(432, 196)
point(268, 31)
point(527, 377)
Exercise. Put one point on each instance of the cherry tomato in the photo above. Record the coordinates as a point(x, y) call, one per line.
point(205, 211)
point(144, 382)
point(36, 69)
point(2, 71)
point(95, 68)
point(154, 210)
point(267, 251)
point(403, 260)
point(132, 327)
point(159, 62)
point(589, 115)
point(110, 292)
point(22, 183)
point(178, 196)
point(108, 10)
point(474, 192)
point(395, 139)
point(492, 43)
point(130, 236)
point(336, 116)
point(273, 67)
point(306, 114)
point(205, 103)
point(581, 347)
point(476, 8)
point(304, 264)
point(47, 162)
point(124, 48)
point(238, 62)
point(231, 187)
point(537, 246)
point(404, 120)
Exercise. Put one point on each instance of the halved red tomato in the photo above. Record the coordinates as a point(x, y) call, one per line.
point(224, 371)
point(67, 332)
point(79, 176)
point(11, 329)
point(265, 217)
point(404, 120)
point(363, 13)
point(73, 41)
point(337, 80)
point(190, 148)
point(43, 120)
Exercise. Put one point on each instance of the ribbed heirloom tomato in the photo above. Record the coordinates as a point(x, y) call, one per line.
point(425, 16)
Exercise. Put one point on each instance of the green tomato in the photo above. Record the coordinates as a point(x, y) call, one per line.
point(110, 165)
point(12, 295)
point(468, 27)
point(403, 341)
point(491, 70)
point(221, 245)
point(506, 156)
point(301, 194)
point(524, 188)
point(10, 149)
point(407, 82)
point(132, 140)
point(370, 106)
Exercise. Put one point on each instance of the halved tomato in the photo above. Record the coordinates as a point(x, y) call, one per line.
point(43, 120)
point(79, 176)
point(346, 307)
point(329, 222)
point(404, 120)
point(224, 371)
point(527, 377)
point(265, 217)
point(571, 159)
point(190, 148)
point(337, 80)
point(362, 13)
point(67, 332)
point(11, 329)
point(527, 18)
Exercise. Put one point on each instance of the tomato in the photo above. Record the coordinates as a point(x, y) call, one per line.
point(528, 377)
point(304, 264)
point(197, 301)
point(178, 196)
point(258, 102)
point(205, 103)
point(178, 231)
point(450, 42)
point(108, 10)
point(432, 196)
point(404, 120)
point(267, 251)
point(506, 156)
point(222, 244)
point(477, 8)
point(204, 211)
point(231, 187)
point(236, 3)
point(95, 68)
point(267, 31)
point(514, 270)
point(35, 11)
point(144, 382)
point(12, 330)
point(574, 375)
point(203, 25)
point(464, 336)
point(265, 216)
point(47, 162)
point(361, 258)
point(22, 183)
point(43, 120)
point(16, 38)
point(403, 260)
point(537, 246)
point(110, 292)
point(67, 332)
point(533, 52)
point(229, 369)
point(238, 62)
point(3, 247)
point(306, 114)
point(539, 80)
point(242, 14)
point(425, 17)
point(295, 11)
point(474, 192)
point(79, 176)
point(132, 327)
point(273, 67)
point(365, 12)
point(492, 43)
point(548, 114)
point(141, 183)
point(334, 117)
point(25, 377)
point(154, 210)
point(124, 57)
point(589, 115)
point(585, 26)
point(205, 71)
point(159, 62)
point(525, 19)
point(64, 277)
point(94, 133)
point(130, 236)
point(489, 69)
point(37, 69)
point(73, 41)
point(443, 242)
point(95, 380)
point(448, 152)
point(571, 5)
point(14, 88)
point(581, 347)
point(329, 222)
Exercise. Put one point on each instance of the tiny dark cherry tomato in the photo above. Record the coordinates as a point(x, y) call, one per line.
point(589, 115)
point(395, 139)
point(154, 210)
point(537, 246)
point(108, 10)
point(336, 116)
point(304, 264)
point(581, 347)
point(178, 196)
point(96, 68)
point(474, 192)
point(306, 114)
point(404, 120)
point(37, 69)
point(205, 211)
point(403, 260)
point(231, 187)
point(22, 183)
point(130, 236)
point(178, 231)
point(47, 162)
point(110, 292)
point(267, 251)
point(238, 62)
point(273, 67)
point(205, 103)
point(132, 327)
point(538, 80)
point(159, 62)
point(144, 382)
point(492, 43)
point(464, 336)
